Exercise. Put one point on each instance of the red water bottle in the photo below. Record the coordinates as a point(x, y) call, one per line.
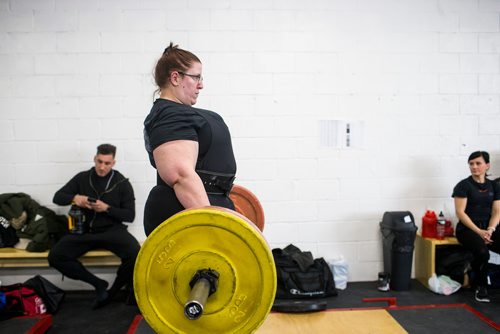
point(440, 226)
point(429, 222)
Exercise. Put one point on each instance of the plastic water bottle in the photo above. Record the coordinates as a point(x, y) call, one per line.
point(440, 226)
point(76, 220)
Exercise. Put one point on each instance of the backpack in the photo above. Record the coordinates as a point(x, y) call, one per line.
point(453, 261)
point(300, 276)
point(51, 295)
point(20, 300)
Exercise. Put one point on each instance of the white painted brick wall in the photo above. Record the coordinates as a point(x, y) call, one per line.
point(424, 77)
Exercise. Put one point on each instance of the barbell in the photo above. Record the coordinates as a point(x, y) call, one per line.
point(207, 270)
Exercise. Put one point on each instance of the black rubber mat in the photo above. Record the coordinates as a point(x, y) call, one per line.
point(442, 320)
point(117, 317)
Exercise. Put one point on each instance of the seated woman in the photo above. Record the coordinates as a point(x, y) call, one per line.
point(477, 206)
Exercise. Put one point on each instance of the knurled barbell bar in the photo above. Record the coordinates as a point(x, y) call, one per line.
point(206, 270)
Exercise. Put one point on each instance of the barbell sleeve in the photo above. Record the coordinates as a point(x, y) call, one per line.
point(203, 284)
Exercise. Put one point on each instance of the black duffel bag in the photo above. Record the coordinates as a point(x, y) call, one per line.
point(301, 276)
point(51, 295)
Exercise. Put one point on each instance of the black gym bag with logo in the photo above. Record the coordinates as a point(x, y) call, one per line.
point(300, 276)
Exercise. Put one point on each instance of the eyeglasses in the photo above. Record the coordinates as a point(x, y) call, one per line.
point(198, 77)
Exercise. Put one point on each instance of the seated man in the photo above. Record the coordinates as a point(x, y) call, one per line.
point(107, 200)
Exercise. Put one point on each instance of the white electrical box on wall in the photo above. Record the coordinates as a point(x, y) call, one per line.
point(341, 134)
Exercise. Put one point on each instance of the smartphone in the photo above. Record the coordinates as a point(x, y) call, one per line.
point(92, 199)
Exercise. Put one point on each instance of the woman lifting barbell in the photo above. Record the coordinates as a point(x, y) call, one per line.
point(179, 267)
point(190, 148)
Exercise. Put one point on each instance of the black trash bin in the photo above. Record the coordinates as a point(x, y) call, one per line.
point(398, 237)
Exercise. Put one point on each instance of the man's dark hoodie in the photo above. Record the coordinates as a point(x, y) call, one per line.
point(113, 189)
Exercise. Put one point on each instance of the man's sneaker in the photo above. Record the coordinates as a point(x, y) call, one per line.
point(482, 295)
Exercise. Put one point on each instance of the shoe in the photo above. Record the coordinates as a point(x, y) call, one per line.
point(102, 300)
point(102, 295)
point(482, 295)
point(383, 281)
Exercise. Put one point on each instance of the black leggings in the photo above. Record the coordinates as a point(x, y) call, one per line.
point(162, 204)
point(65, 253)
point(480, 251)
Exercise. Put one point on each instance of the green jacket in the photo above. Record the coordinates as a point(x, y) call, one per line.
point(43, 226)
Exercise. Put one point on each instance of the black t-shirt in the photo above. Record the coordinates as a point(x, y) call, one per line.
point(168, 121)
point(480, 198)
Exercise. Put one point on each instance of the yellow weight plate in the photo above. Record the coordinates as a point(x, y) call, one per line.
point(209, 238)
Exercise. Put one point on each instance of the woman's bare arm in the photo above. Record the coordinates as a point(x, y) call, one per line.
point(176, 162)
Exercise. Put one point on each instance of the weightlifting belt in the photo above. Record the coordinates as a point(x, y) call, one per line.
point(216, 183)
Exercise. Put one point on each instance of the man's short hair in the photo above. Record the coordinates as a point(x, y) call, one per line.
point(106, 149)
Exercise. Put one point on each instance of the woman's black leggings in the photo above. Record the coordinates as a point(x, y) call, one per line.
point(480, 251)
point(162, 203)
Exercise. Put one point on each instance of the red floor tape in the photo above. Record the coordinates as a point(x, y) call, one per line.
point(38, 324)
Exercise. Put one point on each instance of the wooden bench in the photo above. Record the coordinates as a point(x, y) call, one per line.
point(19, 258)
